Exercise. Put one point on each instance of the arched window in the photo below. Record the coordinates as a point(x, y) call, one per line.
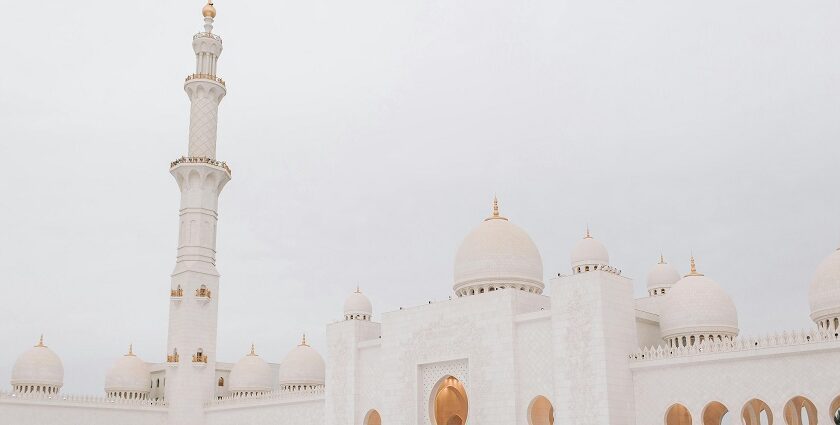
point(373, 418)
point(449, 404)
point(800, 411)
point(834, 411)
point(714, 413)
point(757, 412)
point(221, 381)
point(677, 414)
point(540, 411)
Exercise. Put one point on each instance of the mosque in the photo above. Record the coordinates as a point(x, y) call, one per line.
point(508, 348)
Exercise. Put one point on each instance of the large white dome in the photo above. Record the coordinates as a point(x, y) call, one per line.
point(824, 294)
point(303, 366)
point(661, 276)
point(40, 367)
point(497, 254)
point(250, 374)
point(589, 252)
point(697, 306)
point(129, 374)
point(357, 306)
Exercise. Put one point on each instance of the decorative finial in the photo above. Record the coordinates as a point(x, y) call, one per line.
point(209, 11)
point(588, 236)
point(303, 341)
point(253, 350)
point(130, 350)
point(41, 341)
point(495, 214)
point(693, 271)
point(661, 259)
point(358, 291)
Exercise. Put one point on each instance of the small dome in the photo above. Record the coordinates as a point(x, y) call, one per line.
point(39, 366)
point(357, 305)
point(589, 252)
point(824, 294)
point(302, 366)
point(661, 276)
point(497, 254)
point(129, 374)
point(250, 374)
point(697, 306)
point(209, 11)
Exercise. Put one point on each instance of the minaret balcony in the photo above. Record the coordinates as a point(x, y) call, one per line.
point(172, 359)
point(176, 295)
point(205, 77)
point(199, 360)
point(199, 160)
point(203, 294)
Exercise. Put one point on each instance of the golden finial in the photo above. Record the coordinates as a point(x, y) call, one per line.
point(303, 341)
point(130, 350)
point(209, 11)
point(661, 259)
point(588, 236)
point(41, 341)
point(358, 291)
point(693, 271)
point(495, 214)
point(253, 350)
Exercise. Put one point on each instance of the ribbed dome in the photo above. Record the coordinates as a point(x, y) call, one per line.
point(589, 252)
point(357, 305)
point(698, 306)
point(497, 254)
point(250, 374)
point(302, 366)
point(38, 366)
point(662, 276)
point(128, 374)
point(824, 294)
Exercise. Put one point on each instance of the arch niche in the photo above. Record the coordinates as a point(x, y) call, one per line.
point(714, 413)
point(373, 418)
point(540, 412)
point(800, 411)
point(449, 404)
point(757, 412)
point(678, 415)
point(834, 411)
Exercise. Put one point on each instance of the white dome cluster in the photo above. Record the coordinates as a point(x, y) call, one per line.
point(128, 378)
point(357, 307)
point(496, 255)
point(697, 309)
point(302, 369)
point(824, 294)
point(251, 375)
point(38, 371)
point(589, 255)
point(661, 278)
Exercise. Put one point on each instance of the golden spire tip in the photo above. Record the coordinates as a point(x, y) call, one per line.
point(358, 291)
point(253, 350)
point(303, 341)
point(130, 350)
point(588, 235)
point(661, 259)
point(693, 271)
point(41, 341)
point(209, 11)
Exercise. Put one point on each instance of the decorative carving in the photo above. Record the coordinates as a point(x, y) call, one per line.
point(205, 77)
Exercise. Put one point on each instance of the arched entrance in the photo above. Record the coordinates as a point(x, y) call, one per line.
point(449, 404)
point(834, 411)
point(800, 411)
point(373, 418)
point(678, 415)
point(757, 412)
point(540, 412)
point(714, 413)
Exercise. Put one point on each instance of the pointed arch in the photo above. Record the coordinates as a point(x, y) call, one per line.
point(540, 411)
point(714, 413)
point(677, 414)
point(757, 412)
point(800, 411)
point(449, 403)
point(372, 418)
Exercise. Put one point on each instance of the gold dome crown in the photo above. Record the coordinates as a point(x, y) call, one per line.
point(209, 11)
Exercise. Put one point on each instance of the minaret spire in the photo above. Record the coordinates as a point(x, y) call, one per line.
point(190, 379)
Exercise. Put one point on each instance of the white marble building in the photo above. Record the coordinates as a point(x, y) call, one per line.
point(509, 347)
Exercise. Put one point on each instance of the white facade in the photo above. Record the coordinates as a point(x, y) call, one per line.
point(508, 348)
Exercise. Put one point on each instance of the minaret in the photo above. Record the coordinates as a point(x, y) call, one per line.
point(193, 310)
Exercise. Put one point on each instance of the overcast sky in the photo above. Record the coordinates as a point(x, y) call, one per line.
point(367, 138)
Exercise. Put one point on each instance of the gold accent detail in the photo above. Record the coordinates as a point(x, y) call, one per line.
point(200, 160)
point(202, 292)
point(495, 213)
point(174, 357)
point(199, 358)
point(179, 292)
point(662, 259)
point(358, 291)
point(693, 271)
point(303, 342)
point(205, 77)
point(209, 11)
point(253, 351)
point(588, 236)
point(41, 341)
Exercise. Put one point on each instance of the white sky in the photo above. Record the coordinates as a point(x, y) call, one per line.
point(368, 137)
